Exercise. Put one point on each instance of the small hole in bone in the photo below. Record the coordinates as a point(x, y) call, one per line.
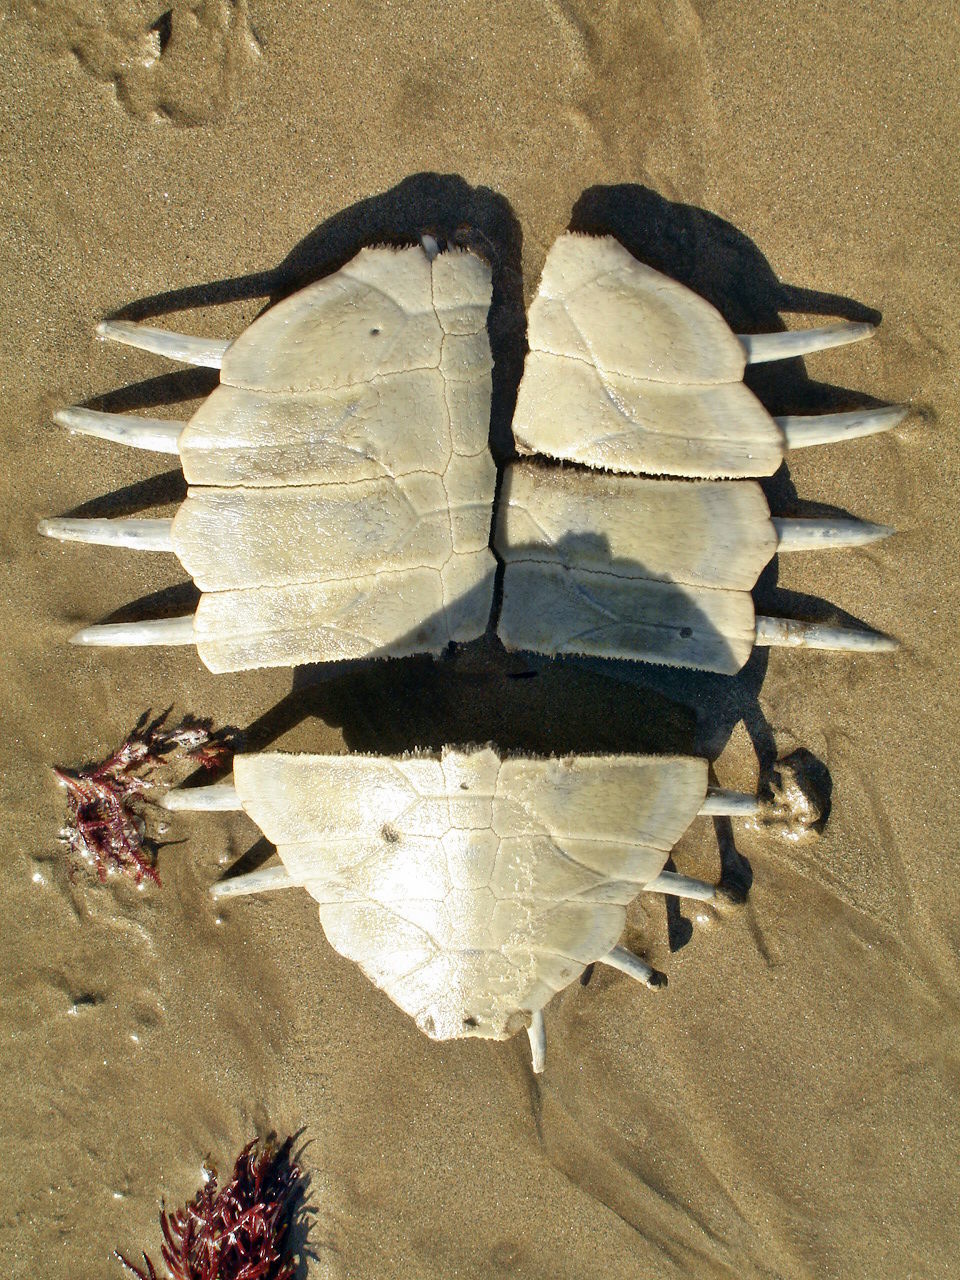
point(686, 632)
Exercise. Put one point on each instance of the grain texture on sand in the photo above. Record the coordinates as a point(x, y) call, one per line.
point(788, 1106)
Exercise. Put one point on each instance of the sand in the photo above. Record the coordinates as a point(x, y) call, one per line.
point(788, 1106)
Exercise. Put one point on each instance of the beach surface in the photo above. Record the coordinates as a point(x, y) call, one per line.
point(787, 1107)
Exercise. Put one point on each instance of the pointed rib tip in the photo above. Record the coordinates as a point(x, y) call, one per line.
point(790, 344)
point(880, 531)
point(885, 643)
point(214, 797)
point(865, 640)
point(892, 415)
point(827, 534)
point(65, 418)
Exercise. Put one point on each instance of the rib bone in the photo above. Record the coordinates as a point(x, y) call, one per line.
point(126, 635)
point(624, 960)
point(682, 887)
point(159, 435)
point(761, 347)
point(830, 428)
point(141, 535)
point(818, 535)
point(206, 352)
point(793, 634)
point(537, 1034)
point(217, 797)
point(266, 880)
point(733, 804)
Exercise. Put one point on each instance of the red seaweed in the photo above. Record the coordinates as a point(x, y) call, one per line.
point(107, 828)
point(239, 1232)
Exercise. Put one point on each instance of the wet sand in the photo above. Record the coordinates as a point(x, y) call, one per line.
point(787, 1108)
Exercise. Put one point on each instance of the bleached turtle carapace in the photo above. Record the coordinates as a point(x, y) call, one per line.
point(341, 485)
point(469, 887)
point(635, 376)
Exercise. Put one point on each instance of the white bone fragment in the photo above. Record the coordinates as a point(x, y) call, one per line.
point(794, 634)
point(656, 570)
point(682, 887)
point(550, 608)
point(761, 347)
point(341, 485)
point(383, 615)
point(624, 960)
point(183, 347)
point(140, 535)
point(265, 880)
point(374, 316)
point(597, 303)
point(469, 888)
point(820, 535)
point(158, 435)
point(723, 803)
point(327, 532)
point(152, 631)
point(537, 1034)
point(704, 534)
point(216, 797)
point(828, 428)
point(572, 410)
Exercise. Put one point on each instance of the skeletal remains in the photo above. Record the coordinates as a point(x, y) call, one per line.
point(340, 506)
point(472, 889)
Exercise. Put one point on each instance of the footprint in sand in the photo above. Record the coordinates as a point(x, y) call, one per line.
point(185, 63)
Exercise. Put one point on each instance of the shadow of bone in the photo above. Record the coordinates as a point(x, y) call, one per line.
point(445, 206)
point(480, 692)
point(472, 694)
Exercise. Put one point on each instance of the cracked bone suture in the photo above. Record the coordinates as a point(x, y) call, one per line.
point(468, 887)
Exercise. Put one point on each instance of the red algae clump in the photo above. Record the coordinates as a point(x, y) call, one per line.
point(238, 1232)
point(107, 828)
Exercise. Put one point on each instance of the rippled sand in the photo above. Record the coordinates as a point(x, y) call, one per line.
point(787, 1108)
